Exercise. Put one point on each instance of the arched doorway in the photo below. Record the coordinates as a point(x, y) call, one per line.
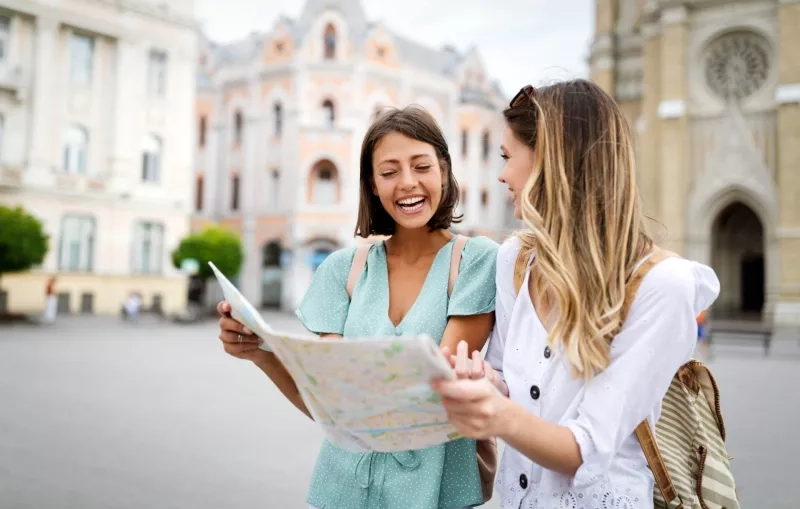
point(271, 275)
point(737, 255)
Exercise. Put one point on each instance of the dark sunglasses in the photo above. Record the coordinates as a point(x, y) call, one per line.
point(524, 96)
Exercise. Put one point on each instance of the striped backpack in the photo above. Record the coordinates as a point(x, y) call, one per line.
point(687, 455)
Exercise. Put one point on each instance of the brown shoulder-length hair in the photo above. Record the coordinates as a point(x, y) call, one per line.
point(418, 124)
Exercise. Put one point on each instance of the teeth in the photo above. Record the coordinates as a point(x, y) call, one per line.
point(410, 201)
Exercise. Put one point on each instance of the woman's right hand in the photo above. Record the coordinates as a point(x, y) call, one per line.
point(238, 340)
point(473, 368)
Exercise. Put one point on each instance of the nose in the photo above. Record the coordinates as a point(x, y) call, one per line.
point(407, 178)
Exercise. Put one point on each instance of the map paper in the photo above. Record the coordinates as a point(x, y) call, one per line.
point(368, 394)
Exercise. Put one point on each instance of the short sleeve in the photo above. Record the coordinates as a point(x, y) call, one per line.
point(474, 291)
point(324, 307)
point(506, 296)
point(656, 339)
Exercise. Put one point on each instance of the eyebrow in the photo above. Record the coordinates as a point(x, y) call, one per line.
point(415, 156)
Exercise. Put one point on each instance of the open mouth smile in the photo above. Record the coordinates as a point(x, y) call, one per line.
point(411, 205)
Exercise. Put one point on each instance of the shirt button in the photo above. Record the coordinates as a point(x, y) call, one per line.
point(547, 352)
point(523, 481)
point(535, 392)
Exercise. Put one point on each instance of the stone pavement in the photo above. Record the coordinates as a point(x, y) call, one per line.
point(101, 414)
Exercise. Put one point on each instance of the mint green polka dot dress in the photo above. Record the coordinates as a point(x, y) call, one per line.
point(439, 477)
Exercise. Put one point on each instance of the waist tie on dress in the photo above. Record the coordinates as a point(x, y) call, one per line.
point(408, 460)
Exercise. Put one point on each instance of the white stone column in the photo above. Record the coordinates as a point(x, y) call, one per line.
point(211, 169)
point(128, 120)
point(250, 281)
point(218, 160)
point(44, 145)
point(292, 183)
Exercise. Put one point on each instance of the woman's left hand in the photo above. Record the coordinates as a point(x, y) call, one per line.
point(474, 406)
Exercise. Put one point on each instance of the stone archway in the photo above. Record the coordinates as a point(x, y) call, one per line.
point(738, 258)
point(271, 274)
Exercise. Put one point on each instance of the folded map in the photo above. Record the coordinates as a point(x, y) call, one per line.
point(368, 394)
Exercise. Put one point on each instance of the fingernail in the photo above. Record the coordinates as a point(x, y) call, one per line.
point(260, 341)
point(246, 330)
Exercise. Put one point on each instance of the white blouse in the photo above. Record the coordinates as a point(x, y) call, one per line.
point(658, 336)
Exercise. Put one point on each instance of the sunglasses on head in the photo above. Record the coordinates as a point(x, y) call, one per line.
point(524, 96)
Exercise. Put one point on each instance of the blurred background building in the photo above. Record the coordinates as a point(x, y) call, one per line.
point(96, 134)
point(280, 119)
point(123, 128)
point(713, 90)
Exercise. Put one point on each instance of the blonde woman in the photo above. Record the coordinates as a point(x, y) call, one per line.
point(567, 381)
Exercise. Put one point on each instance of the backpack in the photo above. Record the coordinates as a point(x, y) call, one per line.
point(486, 449)
point(687, 455)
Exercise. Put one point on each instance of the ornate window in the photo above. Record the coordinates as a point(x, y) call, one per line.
point(277, 111)
point(328, 113)
point(737, 64)
point(238, 123)
point(324, 184)
point(76, 246)
point(151, 158)
point(76, 148)
point(330, 42)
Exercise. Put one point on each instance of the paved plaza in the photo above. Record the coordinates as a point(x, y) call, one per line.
point(96, 413)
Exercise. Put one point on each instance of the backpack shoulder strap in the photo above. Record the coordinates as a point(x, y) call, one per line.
point(520, 268)
point(357, 267)
point(643, 432)
point(455, 261)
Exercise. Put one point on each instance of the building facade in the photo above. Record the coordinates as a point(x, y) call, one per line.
point(713, 90)
point(96, 140)
point(280, 120)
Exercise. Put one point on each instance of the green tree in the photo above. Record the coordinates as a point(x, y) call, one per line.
point(213, 244)
point(23, 242)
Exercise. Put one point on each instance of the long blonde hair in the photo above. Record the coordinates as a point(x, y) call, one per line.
point(582, 212)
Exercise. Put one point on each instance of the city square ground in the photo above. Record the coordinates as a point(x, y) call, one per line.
point(96, 413)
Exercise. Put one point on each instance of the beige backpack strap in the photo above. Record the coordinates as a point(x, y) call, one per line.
point(357, 267)
point(520, 269)
point(643, 431)
point(455, 261)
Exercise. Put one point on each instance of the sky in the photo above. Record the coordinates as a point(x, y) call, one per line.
point(528, 42)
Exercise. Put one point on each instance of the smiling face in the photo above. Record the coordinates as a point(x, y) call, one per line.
point(520, 160)
point(407, 179)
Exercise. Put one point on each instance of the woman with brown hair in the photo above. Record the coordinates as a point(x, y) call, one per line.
point(409, 193)
point(568, 379)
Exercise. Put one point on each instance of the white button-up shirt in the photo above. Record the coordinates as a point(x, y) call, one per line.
point(658, 336)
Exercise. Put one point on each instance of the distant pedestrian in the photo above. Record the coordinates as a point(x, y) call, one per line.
point(132, 306)
point(702, 344)
point(51, 301)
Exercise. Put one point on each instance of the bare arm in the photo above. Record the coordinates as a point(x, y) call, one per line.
point(275, 370)
point(240, 342)
point(474, 329)
point(550, 445)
